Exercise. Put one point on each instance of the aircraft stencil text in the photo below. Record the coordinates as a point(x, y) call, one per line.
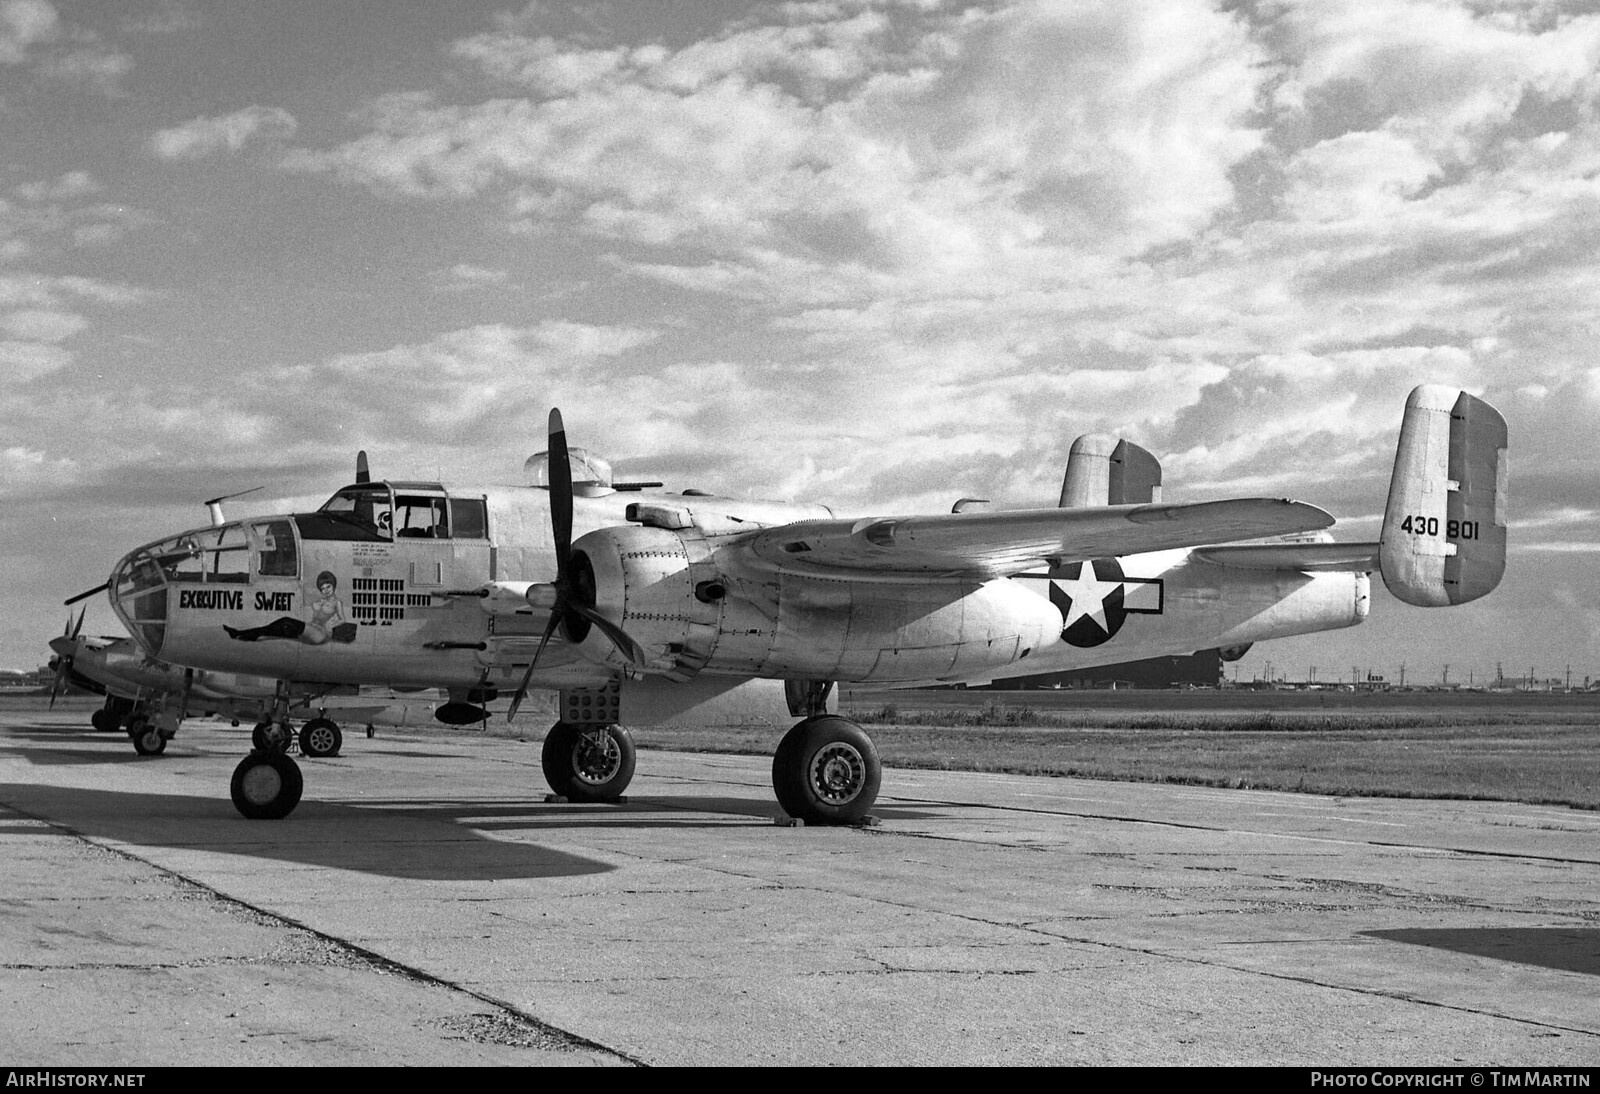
point(274, 602)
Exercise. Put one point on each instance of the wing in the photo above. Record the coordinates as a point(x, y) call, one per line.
point(987, 545)
point(1361, 558)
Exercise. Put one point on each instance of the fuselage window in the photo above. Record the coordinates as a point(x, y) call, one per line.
point(470, 518)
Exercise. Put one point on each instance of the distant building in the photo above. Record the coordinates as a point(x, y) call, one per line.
point(1203, 669)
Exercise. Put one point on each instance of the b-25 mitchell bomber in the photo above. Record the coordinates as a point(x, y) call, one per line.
point(639, 605)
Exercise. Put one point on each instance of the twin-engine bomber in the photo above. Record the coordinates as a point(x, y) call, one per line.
point(638, 604)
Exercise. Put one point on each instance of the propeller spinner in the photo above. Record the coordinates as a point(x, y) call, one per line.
point(571, 597)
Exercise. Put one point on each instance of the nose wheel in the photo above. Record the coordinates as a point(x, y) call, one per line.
point(147, 737)
point(266, 785)
point(826, 771)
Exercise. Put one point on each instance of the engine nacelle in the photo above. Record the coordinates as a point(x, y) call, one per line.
point(646, 580)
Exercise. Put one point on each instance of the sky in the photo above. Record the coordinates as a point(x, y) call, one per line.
point(879, 254)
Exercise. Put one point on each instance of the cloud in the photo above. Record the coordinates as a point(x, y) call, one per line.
point(65, 187)
point(465, 277)
point(208, 136)
point(932, 147)
point(23, 361)
point(23, 25)
point(92, 66)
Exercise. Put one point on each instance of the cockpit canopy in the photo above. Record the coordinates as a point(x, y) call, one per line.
point(382, 511)
point(591, 474)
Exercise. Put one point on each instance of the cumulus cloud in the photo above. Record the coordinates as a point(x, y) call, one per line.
point(929, 145)
point(203, 137)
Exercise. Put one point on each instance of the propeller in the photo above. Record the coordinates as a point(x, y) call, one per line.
point(64, 654)
point(571, 596)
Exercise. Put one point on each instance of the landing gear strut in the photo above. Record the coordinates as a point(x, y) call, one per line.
point(826, 771)
point(588, 763)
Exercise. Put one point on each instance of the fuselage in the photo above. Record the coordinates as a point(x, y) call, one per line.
point(385, 585)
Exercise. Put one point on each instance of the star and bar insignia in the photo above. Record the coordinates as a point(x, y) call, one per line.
point(1096, 598)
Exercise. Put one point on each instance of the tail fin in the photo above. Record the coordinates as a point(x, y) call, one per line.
point(1444, 530)
point(1102, 470)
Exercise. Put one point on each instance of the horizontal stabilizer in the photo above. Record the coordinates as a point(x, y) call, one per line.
point(1361, 558)
point(1444, 529)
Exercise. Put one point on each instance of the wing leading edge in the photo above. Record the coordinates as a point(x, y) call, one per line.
point(986, 545)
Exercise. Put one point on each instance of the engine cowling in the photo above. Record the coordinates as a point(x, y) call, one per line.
point(659, 586)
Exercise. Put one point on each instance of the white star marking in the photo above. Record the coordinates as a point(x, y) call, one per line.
point(1088, 595)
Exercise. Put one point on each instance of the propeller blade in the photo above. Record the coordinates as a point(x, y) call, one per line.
point(78, 627)
point(560, 465)
point(522, 688)
point(87, 593)
point(619, 637)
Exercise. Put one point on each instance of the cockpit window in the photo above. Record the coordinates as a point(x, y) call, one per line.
point(418, 516)
point(360, 512)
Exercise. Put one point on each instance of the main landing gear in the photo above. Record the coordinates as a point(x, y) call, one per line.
point(588, 763)
point(319, 738)
point(826, 771)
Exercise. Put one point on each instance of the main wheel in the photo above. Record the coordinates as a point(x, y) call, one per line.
point(105, 721)
point(147, 739)
point(321, 738)
point(588, 764)
point(826, 771)
point(267, 785)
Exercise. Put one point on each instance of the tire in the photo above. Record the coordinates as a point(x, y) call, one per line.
point(147, 739)
point(588, 765)
point(320, 738)
point(826, 771)
point(266, 785)
point(105, 721)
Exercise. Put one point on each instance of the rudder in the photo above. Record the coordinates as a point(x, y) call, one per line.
point(1444, 529)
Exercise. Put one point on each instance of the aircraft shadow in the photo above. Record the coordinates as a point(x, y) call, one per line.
point(1569, 949)
point(416, 843)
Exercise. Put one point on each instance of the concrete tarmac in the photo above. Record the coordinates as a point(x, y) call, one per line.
point(426, 905)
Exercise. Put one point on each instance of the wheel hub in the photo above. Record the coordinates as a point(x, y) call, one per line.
point(262, 784)
point(596, 758)
point(838, 773)
point(321, 739)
